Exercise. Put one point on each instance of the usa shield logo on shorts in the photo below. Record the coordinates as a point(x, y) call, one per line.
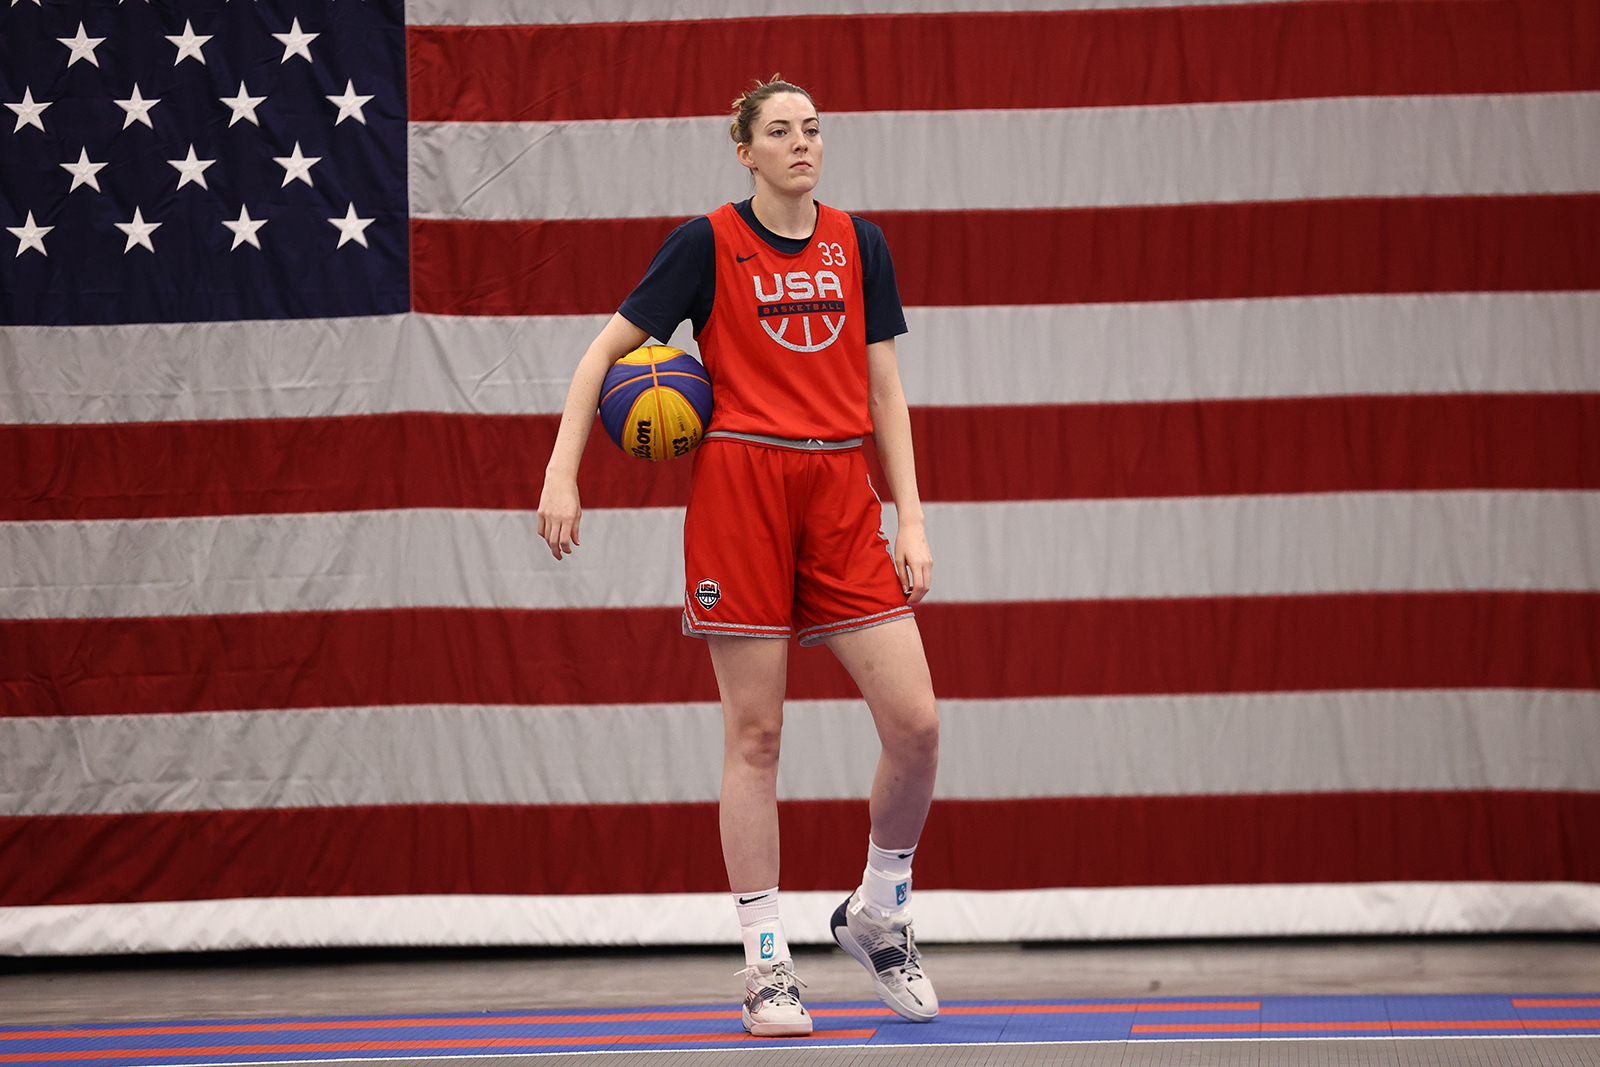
point(708, 593)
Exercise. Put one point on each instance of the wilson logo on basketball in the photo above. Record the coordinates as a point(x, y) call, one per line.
point(708, 593)
point(795, 298)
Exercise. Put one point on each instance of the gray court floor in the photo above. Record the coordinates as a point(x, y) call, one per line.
point(1487, 1052)
point(55, 992)
point(238, 985)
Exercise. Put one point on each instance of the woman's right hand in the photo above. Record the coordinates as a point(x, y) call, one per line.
point(559, 512)
point(558, 502)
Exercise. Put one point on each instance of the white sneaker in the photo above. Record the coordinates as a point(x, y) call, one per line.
point(772, 1005)
point(889, 952)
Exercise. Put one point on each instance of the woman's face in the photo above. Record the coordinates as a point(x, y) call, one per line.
point(785, 149)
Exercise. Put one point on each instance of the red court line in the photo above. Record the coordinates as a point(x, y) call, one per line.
point(1556, 1002)
point(675, 847)
point(1105, 1009)
point(1068, 255)
point(639, 655)
point(247, 1026)
point(182, 1052)
point(1025, 452)
point(937, 61)
point(1381, 1025)
point(1053, 1009)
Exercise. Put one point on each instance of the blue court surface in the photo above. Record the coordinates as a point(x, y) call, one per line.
point(838, 1025)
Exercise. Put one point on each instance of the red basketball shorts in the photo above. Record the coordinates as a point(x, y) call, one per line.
point(779, 542)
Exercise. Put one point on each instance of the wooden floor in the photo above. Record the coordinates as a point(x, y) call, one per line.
point(235, 985)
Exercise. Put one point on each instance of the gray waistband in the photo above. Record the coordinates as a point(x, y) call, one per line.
point(805, 445)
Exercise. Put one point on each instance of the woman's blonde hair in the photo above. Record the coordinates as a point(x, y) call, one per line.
point(748, 106)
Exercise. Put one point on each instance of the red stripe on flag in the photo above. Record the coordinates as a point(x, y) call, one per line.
point(1007, 59)
point(1068, 255)
point(630, 656)
point(1229, 447)
point(276, 466)
point(530, 267)
point(1043, 452)
point(675, 848)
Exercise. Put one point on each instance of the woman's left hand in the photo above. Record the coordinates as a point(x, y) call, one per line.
point(913, 561)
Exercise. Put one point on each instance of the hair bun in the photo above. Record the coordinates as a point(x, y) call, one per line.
point(748, 105)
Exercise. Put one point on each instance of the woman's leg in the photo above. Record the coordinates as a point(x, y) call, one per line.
point(751, 675)
point(874, 923)
point(751, 672)
point(888, 664)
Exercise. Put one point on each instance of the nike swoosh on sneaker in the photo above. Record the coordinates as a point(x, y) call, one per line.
point(741, 259)
point(752, 900)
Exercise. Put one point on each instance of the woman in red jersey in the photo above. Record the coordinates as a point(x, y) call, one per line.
point(796, 312)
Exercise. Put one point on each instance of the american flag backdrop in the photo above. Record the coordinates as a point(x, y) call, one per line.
point(1255, 377)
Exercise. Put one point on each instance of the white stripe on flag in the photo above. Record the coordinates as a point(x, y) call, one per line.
point(631, 557)
point(1374, 740)
point(1338, 147)
point(1025, 354)
point(1230, 349)
point(708, 918)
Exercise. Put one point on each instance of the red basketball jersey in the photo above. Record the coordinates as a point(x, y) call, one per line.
point(786, 343)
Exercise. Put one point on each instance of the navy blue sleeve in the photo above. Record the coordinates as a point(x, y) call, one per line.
point(885, 317)
point(680, 284)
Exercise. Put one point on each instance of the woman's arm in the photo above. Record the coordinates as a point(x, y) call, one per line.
point(891, 432)
point(559, 510)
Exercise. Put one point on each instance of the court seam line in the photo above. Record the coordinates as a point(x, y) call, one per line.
point(778, 1044)
point(275, 1024)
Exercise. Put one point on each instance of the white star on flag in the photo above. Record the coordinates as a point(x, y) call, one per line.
point(296, 165)
point(244, 106)
point(189, 43)
point(83, 172)
point(191, 169)
point(138, 232)
point(350, 104)
point(32, 236)
point(28, 111)
point(137, 108)
point(244, 228)
point(352, 228)
point(296, 43)
point(82, 46)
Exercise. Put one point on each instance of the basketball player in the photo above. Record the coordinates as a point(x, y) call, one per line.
point(796, 312)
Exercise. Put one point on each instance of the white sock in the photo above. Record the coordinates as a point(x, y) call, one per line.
point(764, 943)
point(886, 883)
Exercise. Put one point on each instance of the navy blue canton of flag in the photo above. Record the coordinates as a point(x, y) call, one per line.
point(169, 161)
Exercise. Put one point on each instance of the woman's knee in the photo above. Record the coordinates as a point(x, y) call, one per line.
point(913, 734)
point(755, 741)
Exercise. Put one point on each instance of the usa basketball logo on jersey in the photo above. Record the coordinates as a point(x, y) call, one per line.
point(800, 296)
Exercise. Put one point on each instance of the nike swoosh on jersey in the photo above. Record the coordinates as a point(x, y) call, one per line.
point(741, 259)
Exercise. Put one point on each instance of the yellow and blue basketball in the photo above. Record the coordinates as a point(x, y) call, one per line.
point(656, 402)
